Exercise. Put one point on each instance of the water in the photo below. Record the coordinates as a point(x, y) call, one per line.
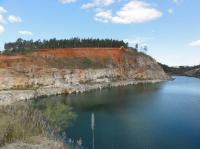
point(147, 116)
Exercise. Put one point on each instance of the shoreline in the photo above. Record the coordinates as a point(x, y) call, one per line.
point(185, 75)
point(8, 97)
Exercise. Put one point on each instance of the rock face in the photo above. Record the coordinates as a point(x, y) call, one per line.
point(191, 71)
point(194, 73)
point(40, 76)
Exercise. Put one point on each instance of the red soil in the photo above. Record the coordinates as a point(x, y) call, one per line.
point(114, 53)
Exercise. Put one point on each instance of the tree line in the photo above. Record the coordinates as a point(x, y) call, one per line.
point(181, 70)
point(23, 46)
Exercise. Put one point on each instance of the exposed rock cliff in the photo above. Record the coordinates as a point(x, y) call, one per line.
point(31, 76)
point(192, 71)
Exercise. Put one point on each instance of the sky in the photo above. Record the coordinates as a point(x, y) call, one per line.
point(170, 28)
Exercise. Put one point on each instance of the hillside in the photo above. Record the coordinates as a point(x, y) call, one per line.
point(193, 71)
point(56, 71)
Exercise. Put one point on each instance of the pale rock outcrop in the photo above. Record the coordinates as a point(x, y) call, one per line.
point(23, 83)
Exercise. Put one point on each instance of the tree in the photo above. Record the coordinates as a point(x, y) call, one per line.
point(21, 46)
point(145, 48)
point(136, 46)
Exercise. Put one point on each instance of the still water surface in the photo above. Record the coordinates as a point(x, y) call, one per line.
point(146, 116)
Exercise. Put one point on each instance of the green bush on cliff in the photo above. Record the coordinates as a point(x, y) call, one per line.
point(57, 113)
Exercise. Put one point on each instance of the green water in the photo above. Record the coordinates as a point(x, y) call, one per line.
point(146, 116)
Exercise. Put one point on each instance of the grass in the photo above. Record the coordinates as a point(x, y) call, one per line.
point(25, 121)
point(56, 112)
point(80, 63)
point(20, 122)
point(25, 87)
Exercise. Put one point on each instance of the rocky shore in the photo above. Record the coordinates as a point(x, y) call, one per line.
point(11, 96)
point(21, 81)
point(31, 77)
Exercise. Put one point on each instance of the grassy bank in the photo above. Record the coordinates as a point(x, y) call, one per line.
point(28, 124)
point(19, 123)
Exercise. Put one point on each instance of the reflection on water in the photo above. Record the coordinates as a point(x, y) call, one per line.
point(109, 99)
point(153, 116)
point(59, 116)
point(56, 112)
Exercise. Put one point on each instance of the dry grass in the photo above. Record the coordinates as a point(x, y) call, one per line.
point(21, 122)
point(24, 123)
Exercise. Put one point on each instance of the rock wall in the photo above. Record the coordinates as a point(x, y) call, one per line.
point(26, 82)
point(193, 73)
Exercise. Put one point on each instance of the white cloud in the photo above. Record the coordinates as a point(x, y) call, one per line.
point(104, 16)
point(1, 29)
point(1, 18)
point(14, 19)
point(2, 10)
point(133, 12)
point(24, 32)
point(195, 43)
point(97, 3)
point(67, 1)
point(170, 11)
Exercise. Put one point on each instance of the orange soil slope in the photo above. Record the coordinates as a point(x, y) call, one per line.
point(114, 53)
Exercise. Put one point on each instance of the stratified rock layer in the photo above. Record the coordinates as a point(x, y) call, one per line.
point(30, 76)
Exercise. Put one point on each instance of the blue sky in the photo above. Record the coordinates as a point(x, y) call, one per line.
point(170, 28)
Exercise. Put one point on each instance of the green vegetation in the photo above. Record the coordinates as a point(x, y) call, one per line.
point(21, 122)
point(57, 113)
point(24, 46)
point(181, 70)
point(24, 87)
point(80, 63)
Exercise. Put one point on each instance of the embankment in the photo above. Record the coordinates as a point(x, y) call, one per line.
point(64, 71)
